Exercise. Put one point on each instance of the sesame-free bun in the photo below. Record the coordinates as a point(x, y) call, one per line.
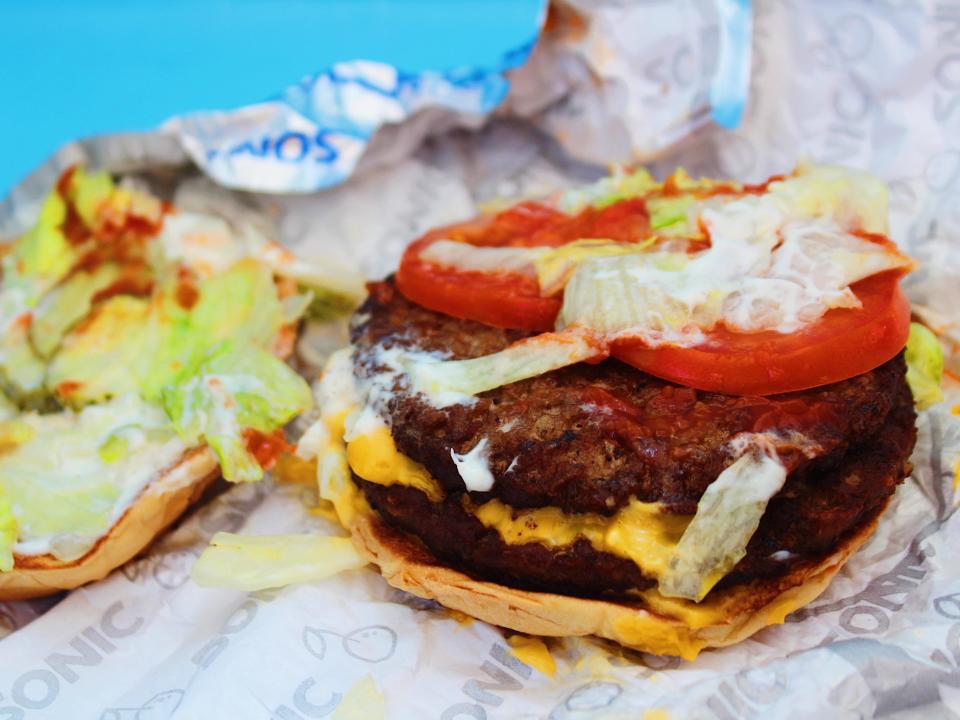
point(164, 500)
point(741, 611)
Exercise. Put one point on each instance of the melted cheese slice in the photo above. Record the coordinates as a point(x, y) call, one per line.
point(375, 458)
point(640, 532)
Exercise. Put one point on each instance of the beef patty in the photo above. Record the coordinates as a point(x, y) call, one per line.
point(802, 525)
point(588, 438)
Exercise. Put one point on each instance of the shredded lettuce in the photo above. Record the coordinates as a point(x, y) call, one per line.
point(43, 256)
point(107, 354)
point(924, 366)
point(21, 369)
point(114, 448)
point(609, 190)
point(234, 388)
point(555, 266)
point(245, 562)
point(671, 215)
point(240, 304)
point(8, 409)
point(143, 345)
point(89, 192)
point(446, 382)
point(336, 290)
point(65, 492)
point(854, 198)
point(65, 305)
point(728, 515)
point(35, 263)
point(8, 532)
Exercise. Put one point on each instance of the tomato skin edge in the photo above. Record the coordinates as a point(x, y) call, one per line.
point(490, 301)
point(841, 345)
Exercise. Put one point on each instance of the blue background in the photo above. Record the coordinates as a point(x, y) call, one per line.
point(74, 68)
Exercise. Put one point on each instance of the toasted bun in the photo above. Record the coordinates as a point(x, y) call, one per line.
point(734, 614)
point(164, 500)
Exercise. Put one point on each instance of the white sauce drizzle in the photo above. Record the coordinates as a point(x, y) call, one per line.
point(474, 468)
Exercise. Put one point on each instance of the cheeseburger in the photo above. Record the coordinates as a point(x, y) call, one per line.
point(661, 413)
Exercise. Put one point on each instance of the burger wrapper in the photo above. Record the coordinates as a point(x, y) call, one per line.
point(873, 86)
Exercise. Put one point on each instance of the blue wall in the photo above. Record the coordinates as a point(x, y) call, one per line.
point(72, 68)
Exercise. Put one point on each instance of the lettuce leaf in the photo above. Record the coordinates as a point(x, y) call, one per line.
point(66, 494)
point(240, 304)
point(144, 345)
point(8, 409)
point(728, 515)
point(671, 215)
point(8, 532)
point(257, 562)
point(43, 256)
point(446, 382)
point(106, 355)
point(89, 192)
point(924, 366)
point(21, 369)
point(234, 388)
point(65, 305)
point(609, 190)
point(37, 262)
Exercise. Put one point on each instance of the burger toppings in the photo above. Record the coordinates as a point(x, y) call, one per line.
point(785, 279)
point(132, 334)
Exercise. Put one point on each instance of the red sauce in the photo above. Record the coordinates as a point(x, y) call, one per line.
point(63, 183)
point(625, 221)
point(73, 227)
point(187, 292)
point(674, 410)
point(266, 448)
point(138, 286)
point(68, 387)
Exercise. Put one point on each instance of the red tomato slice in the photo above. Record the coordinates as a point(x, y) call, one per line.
point(511, 300)
point(503, 300)
point(842, 344)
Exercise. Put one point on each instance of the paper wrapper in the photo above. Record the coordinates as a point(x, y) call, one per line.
point(874, 86)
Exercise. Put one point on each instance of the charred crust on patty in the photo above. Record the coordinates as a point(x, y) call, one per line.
point(589, 438)
point(802, 525)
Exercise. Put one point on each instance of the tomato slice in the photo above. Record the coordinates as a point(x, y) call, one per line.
point(511, 300)
point(842, 344)
point(503, 300)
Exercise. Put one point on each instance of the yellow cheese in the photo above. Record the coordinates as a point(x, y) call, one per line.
point(363, 701)
point(333, 474)
point(659, 637)
point(639, 531)
point(657, 714)
point(375, 458)
point(532, 651)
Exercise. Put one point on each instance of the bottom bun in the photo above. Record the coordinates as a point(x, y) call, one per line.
point(156, 508)
point(726, 617)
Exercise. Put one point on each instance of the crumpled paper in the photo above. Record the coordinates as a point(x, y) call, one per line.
point(874, 86)
point(610, 81)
